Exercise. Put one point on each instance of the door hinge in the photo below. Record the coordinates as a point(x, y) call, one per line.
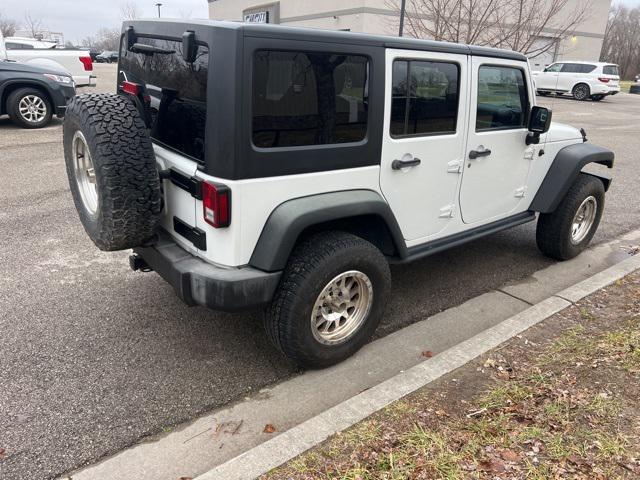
point(454, 166)
point(447, 212)
point(521, 192)
point(529, 153)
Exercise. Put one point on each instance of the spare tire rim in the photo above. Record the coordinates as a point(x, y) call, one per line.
point(85, 173)
point(342, 307)
point(32, 108)
point(583, 219)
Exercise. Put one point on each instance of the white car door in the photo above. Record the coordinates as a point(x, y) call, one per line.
point(548, 79)
point(423, 141)
point(498, 159)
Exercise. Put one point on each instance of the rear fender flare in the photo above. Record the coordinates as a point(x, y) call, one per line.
point(564, 171)
point(291, 218)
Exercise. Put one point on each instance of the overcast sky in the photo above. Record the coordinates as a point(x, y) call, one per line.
point(80, 18)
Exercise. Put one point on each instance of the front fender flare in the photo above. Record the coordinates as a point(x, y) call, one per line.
point(565, 169)
point(291, 218)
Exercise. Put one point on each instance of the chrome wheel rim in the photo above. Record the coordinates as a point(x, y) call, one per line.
point(342, 307)
point(581, 92)
point(84, 172)
point(583, 219)
point(32, 108)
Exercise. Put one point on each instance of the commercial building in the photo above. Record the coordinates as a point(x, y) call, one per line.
point(376, 16)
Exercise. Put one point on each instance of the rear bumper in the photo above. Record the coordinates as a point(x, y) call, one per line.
point(197, 282)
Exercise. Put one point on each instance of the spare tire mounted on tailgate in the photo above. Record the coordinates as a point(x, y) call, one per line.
point(112, 171)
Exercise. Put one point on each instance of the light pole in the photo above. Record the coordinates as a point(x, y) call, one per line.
point(402, 8)
point(158, 5)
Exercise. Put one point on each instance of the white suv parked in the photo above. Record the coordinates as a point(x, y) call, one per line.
point(583, 80)
point(261, 166)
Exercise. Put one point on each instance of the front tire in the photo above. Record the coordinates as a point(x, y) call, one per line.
point(330, 300)
point(566, 232)
point(581, 91)
point(29, 108)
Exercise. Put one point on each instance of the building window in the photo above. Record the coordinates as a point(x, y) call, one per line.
point(424, 98)
point(503, 101)
point(308, 98)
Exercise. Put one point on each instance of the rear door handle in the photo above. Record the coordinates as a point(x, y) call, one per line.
point(400, 164)
point(483, 152)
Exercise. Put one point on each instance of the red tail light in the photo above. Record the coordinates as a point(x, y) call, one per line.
point(216, 204)
point(604, 80)
point(131, 88)
point(88, 63)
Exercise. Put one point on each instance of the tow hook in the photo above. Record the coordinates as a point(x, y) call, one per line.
point(136, 262)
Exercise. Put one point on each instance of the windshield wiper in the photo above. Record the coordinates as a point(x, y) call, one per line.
point(149, 49)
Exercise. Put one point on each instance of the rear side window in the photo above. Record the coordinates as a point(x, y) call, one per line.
point(18, 46)
point(610, 70)
point(308, 98)
point(503, 101)
point(578, 68)
point(424, 98)
point(177, 90)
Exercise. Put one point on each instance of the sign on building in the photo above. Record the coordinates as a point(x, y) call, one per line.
point(257, 17)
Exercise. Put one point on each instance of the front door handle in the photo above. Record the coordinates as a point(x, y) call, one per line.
point(481, 152)
point(400, 164)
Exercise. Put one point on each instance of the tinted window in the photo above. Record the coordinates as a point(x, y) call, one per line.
point(556, 67)
point(308, 98)
point(586, 68)
point(502, 98)
point(610, 70)
point(177, 90)
point(424, 98)
point(18, 46)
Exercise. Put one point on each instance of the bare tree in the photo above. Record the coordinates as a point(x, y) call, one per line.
point(129, 11)
point(34, 25)
point(8, 26)
point(620, 43)
point(514, 24)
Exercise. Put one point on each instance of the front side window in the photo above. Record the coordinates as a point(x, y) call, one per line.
point(308, 98)
point(503, 101)
point(177, 91)
point(424, 98)
point(556, 67)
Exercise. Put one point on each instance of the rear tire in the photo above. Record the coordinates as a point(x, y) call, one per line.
point(112, 171)
point(29, 108)
point(581, 92)
point(560, 234)
point(597, 98)
point(330, 299)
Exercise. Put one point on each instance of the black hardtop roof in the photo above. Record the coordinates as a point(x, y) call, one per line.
point(336, 36)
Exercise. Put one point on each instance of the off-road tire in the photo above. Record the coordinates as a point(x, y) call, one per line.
point(581, 91)
point(126, 178)
point(553, 233)
point(13, 108)
point(312, 265)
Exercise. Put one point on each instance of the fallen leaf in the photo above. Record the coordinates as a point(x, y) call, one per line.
point(268, 428)
point(185, 478)
point(427, 353)
point(510, 456)
point(3, 453)
point(492, 465)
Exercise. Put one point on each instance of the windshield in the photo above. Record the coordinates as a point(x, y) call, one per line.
point(177, 91)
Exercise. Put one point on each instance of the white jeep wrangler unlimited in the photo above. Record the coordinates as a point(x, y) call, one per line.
point(284, 168)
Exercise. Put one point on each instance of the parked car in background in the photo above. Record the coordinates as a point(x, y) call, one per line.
point(31, 95)
point(45, 54)
point(107, 57)
point(583, 80)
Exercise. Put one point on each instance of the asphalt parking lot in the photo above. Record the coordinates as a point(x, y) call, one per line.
point(94, 357)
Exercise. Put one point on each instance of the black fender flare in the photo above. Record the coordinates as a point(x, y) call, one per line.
point(566, 167)
point(289, 219)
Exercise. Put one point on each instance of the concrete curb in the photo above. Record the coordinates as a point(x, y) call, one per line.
point(262, 458)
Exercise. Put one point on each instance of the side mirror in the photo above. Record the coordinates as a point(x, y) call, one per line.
point(539, 120)
point(130, 37)
point(189, 46)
